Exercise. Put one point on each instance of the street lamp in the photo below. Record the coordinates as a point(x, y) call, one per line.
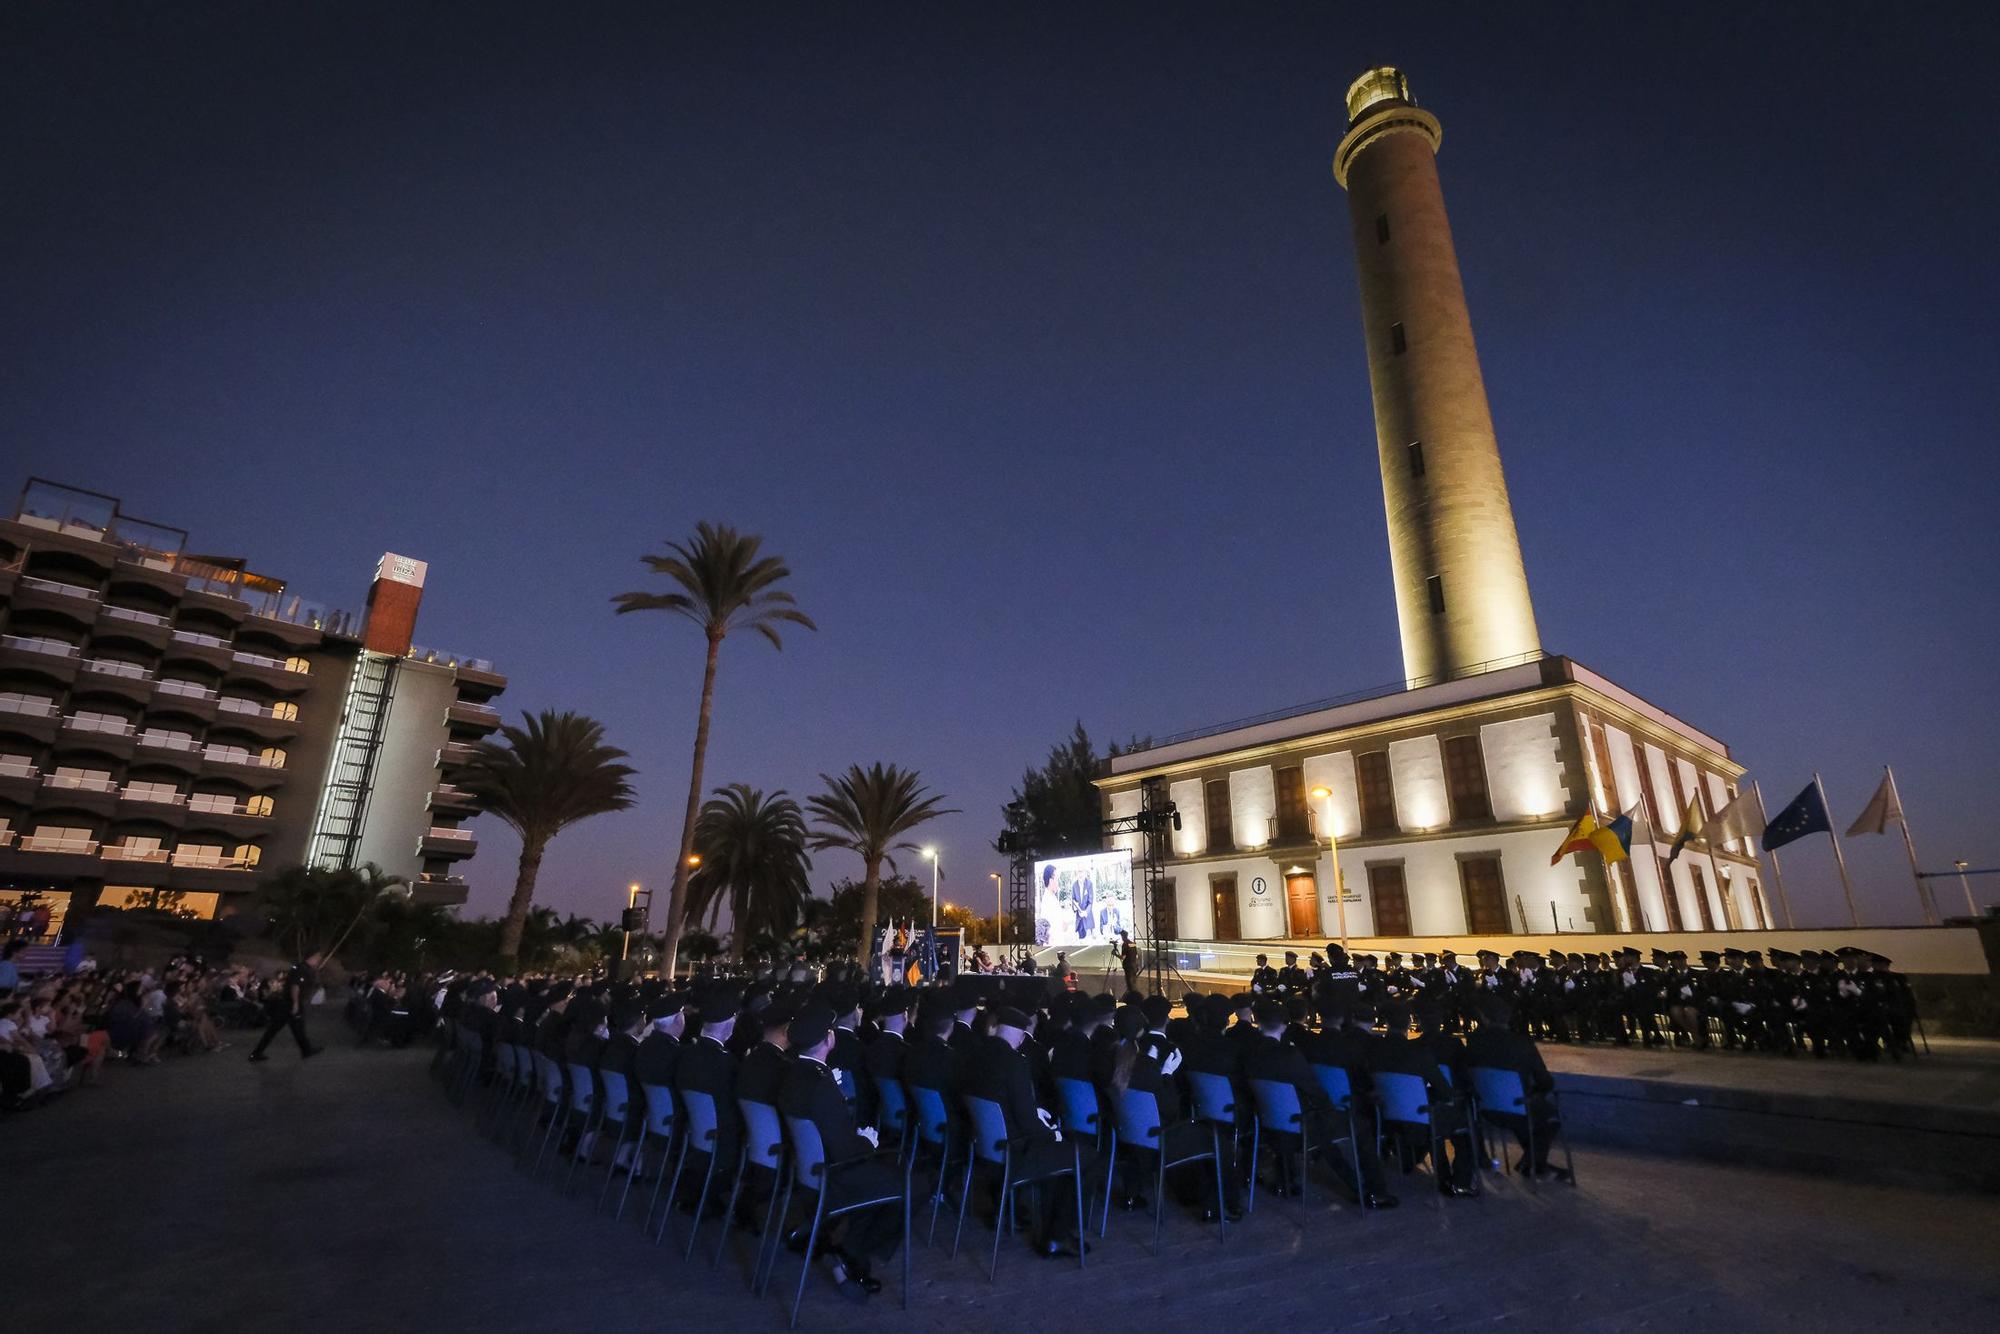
point(931, 856)
point(999, 908)
point(1325, 794)
point(1966, 885)
point(625, 944)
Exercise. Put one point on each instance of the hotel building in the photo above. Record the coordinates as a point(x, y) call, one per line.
point(173, 726)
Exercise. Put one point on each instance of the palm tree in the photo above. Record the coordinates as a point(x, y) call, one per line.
point(724, 585)
point(753, 856)
point(867, 811)
point(553, 772)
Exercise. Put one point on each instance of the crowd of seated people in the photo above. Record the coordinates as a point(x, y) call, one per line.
point(1063, 1069)
point(59, 1030)
point(1846, 1001)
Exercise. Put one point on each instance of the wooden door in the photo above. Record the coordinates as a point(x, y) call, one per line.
point(1302, 906)
point(1485, 897)
point(1222, 892)
point(1391, 900)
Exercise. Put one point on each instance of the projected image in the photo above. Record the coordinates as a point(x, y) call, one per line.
point(1083, 900)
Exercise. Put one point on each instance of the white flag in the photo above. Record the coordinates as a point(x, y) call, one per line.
point(1882, 811)
point(1642, 828)
point(1738, 820)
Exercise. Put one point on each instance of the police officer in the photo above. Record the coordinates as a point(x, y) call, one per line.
point(285, 1007)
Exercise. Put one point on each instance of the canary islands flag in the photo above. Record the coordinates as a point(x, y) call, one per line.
point(1611, 841)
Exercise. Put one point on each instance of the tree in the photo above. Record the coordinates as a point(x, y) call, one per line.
point(551, 773)
point(1057, 808)
point(724, 585)
point(898, 898)
point(309, 909)
point(868, 811)
point(753, 857)
point(700, 946)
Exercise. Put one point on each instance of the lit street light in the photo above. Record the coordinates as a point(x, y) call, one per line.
point(931, 856)
point(999, 908)
point(1325, 794)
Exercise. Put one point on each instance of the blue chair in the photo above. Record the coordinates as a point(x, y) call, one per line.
point(660, 1120)
point(616, 1113)
point(1499, 1094)
point(934, 1134)
point(812, 1172)
point(1280, 1116)
point(1082, 1115)
point(471, 1055)
point(1140, 1129)
point(505, 1074)
point(1404, 1100)
point(520, 1098)
point(991, 1144)
point(584, 1103)
point(556, 1101)
point(763, 1147)
point(892, 1110)
point(1338, 1086)
point(703, 1130)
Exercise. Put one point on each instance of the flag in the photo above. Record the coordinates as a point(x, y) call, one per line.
point(1805, 815)
point(1690, 829)
point(1641, 829)
point(1614, 840)
point(1883, 810)
point(1578, 838)
point(1737, 820)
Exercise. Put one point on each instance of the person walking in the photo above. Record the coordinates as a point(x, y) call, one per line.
point(285, 1008)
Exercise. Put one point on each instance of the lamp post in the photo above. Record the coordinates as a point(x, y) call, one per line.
point(1966, 885)
point(999, 908)
point(931, 856)
point(625, 944)
point(1325, 794)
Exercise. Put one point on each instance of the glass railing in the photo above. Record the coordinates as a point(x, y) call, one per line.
point(418, 653)
point(98, 782)
point(106, 667)
point(60, 589)
point(38, 843)
point(32, 705)
point(169, 741)
point(36, 644)
point(158, 793)
point(187, 689)
point(230, 704)
point(14, 767)
point(197, 637)
point(118, 852)
point(210, 859)
point(133, 614)
point(108, 726)
point(452, 835)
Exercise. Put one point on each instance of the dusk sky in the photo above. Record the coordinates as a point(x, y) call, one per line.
point(1029, 336)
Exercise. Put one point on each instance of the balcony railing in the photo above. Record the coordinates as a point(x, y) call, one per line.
point(134, 614)
point(12, 767)
point(55, 648)
point(484, 713)
point(108, 726)
point(82, 782)
point(250, 708)
point(61, 589)
point(197, 637)
point(169, 741)
point(210, 859)
point(32, 705)
point(298, 665)
point(237, 755)
point(75, 847)
point(106, 667)
point(219, 803)
point(118, 852)
point(452, 835)
point(157, 793)
point(186, 689)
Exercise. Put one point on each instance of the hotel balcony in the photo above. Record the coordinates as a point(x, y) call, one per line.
point(82, 792)
point(57, 856)
point(261, 719)
point(455, 755)
point(127, 680)
point(172, 748)
point(131, 623)
point(194, 646)
point(447, 844)
point(20, 780)
point(439, 889)
point(454, 801)
point(112, 735)
point(30, 715)
point(118, 852)
point(272, 671)
point(38, 653)
point(468, 720)
point(36, 594)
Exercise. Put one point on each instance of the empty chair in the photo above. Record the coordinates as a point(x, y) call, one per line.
point(1140, 1131)
point(988, 1142)
point(811, 1172)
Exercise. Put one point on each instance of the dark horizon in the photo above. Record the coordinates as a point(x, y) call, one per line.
point(1030, 339)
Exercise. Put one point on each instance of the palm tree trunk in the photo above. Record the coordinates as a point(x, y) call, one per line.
point(871, 886)
point(677, 897)
point(523, 900)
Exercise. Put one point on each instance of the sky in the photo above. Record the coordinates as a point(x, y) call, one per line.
point(1028, 335)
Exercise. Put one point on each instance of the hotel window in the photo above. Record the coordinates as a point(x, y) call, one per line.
point(1291, 782)
point(1434, 586)
point(1465, 779)
point(1382, 229)
point(1416, 458)
point(273, 757)
point(256, 805)
point(1378, 793)
point(1397, 343)
point(300, 665)
point(285, 711)
point(1215, 798)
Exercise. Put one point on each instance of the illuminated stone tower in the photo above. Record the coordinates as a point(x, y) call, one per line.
point(1461, 589)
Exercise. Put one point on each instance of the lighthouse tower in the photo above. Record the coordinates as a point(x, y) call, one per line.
point(1461, 589)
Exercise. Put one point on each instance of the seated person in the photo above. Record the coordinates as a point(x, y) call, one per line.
point(1495, 1043)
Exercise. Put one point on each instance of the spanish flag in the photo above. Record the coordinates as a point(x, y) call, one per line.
point(1587, 835)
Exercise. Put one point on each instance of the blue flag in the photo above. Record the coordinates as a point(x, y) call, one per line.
point(1806, 815)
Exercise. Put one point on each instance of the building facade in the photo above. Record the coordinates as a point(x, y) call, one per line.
point(1446, 804)
point(170, 722)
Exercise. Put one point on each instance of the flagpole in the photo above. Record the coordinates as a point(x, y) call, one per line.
point(1839, 857)
point(1777, 875)
point(1660, 868)
point(1721, 885)
point(1925, 899)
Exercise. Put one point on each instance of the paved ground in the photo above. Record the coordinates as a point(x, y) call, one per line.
point(344, 1195)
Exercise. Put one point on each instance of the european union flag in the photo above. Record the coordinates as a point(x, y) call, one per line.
point(1805, 815)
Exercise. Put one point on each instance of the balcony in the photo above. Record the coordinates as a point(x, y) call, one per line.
point(40, 653)
point(153, 794)
point(128, 680)
point(462, 716)
point(50, 593)
point(169, 741)
point(29, 715)
point(221, 803)
point(131, 623)
point(81, 782)
point(210, 859)
point(20, 779)
point(265, 720)
point(438, 889)
point(71, 847)
point(103, 726)
point(456, 754)
point(118, 852)
point(453, 799)
point(199, 640)
point(28, 706)
point(133, 616)
point(238, 755)
point(265, 662)
point(451, 844)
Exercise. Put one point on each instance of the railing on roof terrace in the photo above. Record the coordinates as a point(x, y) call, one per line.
point(1352, 697)
point(418, 653)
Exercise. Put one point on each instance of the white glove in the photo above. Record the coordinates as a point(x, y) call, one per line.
point(1742, 1007)
point(1569, 985)
point(872, 1135)
point(1048, 1119)
point(1172, 1063)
